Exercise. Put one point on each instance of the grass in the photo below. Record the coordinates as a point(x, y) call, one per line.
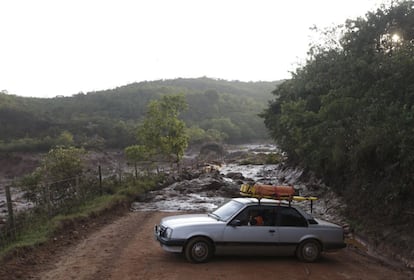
point(29, 238)
point(38, 229)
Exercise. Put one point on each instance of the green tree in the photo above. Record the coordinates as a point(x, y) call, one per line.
point(162, 132)
point(136, 154)
point(55, 184)
point(225, 126)
point(196, 135)
point(65, 139)
point(347, 114)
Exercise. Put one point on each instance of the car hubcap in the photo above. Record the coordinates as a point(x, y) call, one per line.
point(310, 251)
point(199, 250)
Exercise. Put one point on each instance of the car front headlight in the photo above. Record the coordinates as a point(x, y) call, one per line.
point(168, 232)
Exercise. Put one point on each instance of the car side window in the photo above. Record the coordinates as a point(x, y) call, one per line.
point(290, 217)
point(269, 217)
point(267, 214)
point(243, 217)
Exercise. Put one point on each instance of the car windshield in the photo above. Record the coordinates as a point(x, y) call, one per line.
point(227, 210)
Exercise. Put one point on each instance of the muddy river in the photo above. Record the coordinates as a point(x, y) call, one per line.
point(207, 192)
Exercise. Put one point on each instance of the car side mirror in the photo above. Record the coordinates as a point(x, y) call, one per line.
point(235, 223)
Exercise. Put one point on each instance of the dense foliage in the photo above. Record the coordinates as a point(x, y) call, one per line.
point(55, 185)
point(348, 113)
point(217, 110)
point(162, 134)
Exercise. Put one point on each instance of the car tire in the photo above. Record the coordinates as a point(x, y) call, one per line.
point(309, 250)
point(198, 250)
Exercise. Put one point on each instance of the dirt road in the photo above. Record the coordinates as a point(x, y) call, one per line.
point(126, 249)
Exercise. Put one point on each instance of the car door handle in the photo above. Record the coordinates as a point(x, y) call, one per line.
point(271, 230)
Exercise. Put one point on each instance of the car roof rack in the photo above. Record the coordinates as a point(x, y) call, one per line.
point(279, 193)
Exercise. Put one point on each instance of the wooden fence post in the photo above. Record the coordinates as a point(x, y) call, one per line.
point(120, 172)
point(10, 211)
point(100, 179)
point(77, 188)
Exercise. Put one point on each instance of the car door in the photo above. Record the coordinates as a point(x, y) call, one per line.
point(291, 226)
point(241, 236)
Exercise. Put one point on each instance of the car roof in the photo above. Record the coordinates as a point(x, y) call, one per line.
point(273, 202)
point(255, 201)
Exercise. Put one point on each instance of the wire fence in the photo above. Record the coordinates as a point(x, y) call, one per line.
point(23, 207)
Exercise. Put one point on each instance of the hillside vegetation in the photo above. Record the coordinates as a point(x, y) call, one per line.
point(348, 115)
point(217, 110)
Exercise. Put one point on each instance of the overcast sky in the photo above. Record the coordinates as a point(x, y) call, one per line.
point(59, 47)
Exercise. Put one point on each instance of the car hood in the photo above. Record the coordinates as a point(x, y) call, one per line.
point(191, 219)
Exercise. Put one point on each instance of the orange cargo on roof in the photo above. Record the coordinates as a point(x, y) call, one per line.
point(274, 191)
point(268, 191)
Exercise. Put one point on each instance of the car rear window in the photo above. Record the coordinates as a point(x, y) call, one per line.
point(290, 217)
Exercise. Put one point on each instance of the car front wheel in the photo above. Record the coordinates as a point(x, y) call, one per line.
point(198, 250)
point(308, 250)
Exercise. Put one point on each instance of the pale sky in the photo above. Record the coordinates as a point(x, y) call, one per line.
point(63, 47)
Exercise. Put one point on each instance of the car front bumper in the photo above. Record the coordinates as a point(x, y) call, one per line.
point(169, 245)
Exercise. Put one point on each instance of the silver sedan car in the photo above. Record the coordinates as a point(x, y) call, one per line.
point(248, 226)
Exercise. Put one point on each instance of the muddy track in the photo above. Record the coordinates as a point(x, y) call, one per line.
point(125, 249)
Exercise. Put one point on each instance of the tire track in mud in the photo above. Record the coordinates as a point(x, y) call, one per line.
point(96, 255)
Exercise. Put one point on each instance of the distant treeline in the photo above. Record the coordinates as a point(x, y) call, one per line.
point(218, 110)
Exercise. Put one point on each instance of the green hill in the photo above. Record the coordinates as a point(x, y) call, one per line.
point(108, 119)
